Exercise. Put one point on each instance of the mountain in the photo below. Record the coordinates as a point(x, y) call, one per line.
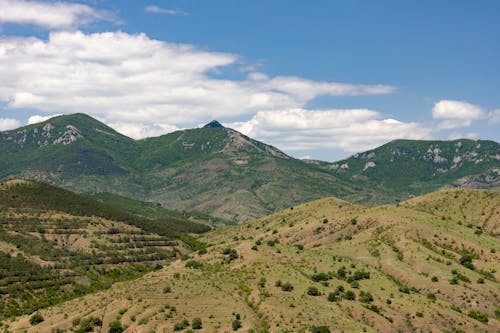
point(211, 169)
point(56, 245)
point(221, 172)
point(407, 168)
point(325, 266)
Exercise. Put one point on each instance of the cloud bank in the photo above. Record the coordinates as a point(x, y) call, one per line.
point(352, 130)
point(144, 86)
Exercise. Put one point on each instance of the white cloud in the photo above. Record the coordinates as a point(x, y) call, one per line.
point(132, 79)
point(138, 131)
point(8, 123)
point(51, 15)
point(351, 130)
point(158, 10)
point(455, 114)
point(38, 119)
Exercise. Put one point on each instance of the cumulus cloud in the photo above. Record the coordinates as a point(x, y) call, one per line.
point(51, 15)
point(158, 10)
point(8, 123)
point(38, 119)
point(351, 130)
point(132, 79)
point(454, 114)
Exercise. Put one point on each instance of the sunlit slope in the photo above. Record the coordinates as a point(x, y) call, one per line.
point(325, 263)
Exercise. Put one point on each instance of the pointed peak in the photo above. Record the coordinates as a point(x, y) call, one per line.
point(213, 124)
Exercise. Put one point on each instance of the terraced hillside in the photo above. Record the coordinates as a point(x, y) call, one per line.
point(325, 266)
point(56, 245)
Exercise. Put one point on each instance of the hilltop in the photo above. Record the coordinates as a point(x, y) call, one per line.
point(221, 172)
point(327, 264)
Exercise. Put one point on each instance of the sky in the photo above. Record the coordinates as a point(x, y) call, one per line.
point(317, 79)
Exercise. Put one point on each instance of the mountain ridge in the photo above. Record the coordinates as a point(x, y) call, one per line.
point(222, 172)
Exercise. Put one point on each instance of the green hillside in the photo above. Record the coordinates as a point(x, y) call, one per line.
point(222, 173)
point(406, 167)
point(324, 266)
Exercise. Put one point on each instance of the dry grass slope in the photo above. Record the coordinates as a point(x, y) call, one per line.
point(427, 265)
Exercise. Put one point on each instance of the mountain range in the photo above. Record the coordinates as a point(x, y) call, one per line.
point(219, 171)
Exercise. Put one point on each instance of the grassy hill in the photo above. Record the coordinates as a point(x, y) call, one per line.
point(327, 265)
point(56, 245)
point(223, 173)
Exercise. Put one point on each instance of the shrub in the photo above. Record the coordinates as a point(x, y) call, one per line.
point(181, 325)
point(197, 324)
point(321, 277)
point(419, 314)
point(479, 316)
point(434, 279)
point(365, 297)
point(320, 329)
point(466, 261)
point(313, 291)
point(232, 253)
point(333, 297)
point(236, 324)
point(287, 286)
point(350, 295)
point(115, 327)
point(36, 319)
point(431, 296)
point(167, 289)
point(194, 264)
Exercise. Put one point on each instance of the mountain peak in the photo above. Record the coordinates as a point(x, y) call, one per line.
point(213, 124)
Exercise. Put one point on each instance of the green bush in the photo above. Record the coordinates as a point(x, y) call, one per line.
point(287, 286)
point(365, 297)
point(479, 316)
point(320, 329)
point(197, 324)
point(36, 319)
point(236, 324)
point(313, 291)
point(115, 327)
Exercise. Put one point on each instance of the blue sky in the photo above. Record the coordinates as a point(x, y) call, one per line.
point(321, 79)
